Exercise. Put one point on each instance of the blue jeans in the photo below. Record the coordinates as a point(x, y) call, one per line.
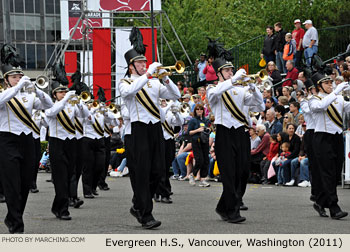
point(179, 167)
point(308, 53)
point(211, 166)
point(294, 166)
point(304, 170)
point(281, 64)
point(284, 169)
point(122, 165)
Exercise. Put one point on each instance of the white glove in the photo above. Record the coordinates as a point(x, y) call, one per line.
point(153, 67)
point(252, 86)
point(69, 94)
point(24, 81)
point(239, 74)
point(341, 87)
point(166, 77)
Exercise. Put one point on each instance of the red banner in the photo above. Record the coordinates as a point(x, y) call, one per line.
point(102, 61)
point(125, 5)
point(70, 59)
point(147, 40)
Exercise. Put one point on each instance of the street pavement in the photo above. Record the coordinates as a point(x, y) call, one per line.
point(272, 209)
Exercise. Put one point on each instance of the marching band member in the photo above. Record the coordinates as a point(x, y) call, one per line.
point(172, 119)
point(227, 101)
point(39, 120)
point(327, 108)
point(62, 144)
point(141, 96)
point(16, 140)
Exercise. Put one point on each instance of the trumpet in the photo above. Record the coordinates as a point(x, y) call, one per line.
point(84, 96)
point(262, 74)
point(179, 67)
point(40, 82)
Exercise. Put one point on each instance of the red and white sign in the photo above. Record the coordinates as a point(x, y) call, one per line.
point(129, 5)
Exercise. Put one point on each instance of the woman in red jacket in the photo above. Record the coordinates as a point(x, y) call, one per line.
point(209, 72)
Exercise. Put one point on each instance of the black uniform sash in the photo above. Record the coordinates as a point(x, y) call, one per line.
point(233, 109)
point(22, 114)
point(333, 114)
point(143, 98)
point(97, 127)
point(167, 127)
point(65, 121)
point(107, 130)
point(79, 126)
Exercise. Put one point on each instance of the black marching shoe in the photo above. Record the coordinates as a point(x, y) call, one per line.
point(313, 198)
point(104, 188)
point(321, 211)
point(222, 215)
point(151, 224)
point(62, 217)
point(236, 219)
point(166, 200)
point(77, 202)
point(2, 198)
point(243, 207)
point(136, 214)
point(89, 196)
point(339, 215)
point(34, 190)
point(156, 198)
point(94, 192)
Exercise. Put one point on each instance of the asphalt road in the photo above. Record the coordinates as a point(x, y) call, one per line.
point(278, 210)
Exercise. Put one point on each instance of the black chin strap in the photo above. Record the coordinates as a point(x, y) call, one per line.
point(323, 89)
point(136, 69)
point(222, 75)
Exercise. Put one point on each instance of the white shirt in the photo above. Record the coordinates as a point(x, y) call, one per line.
point(173, 120)
point(110, 120)
point(155, 91)
point(89, 130)
point(9, 122)
point(304, 105)
point(240, 96)
point(55, 128)
point(126, 118)
point(78, 135)
point(319, 107)
point(39, 119)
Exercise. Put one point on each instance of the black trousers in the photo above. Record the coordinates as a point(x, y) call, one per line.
point(246, 164)
point(62, 160)
point(94, 162)
point(130, 162)
point(78, 168)
point(164, 187)
point(229, 150)
point(37, 147)
point(315, 175)
point(329, 155)
point(201, 156)
point(102, 181)
point(148, 165)
point(16, 173)
point(1, 188)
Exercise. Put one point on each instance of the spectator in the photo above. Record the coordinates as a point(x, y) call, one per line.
point(267, 93)
point(199, 68)
point(196, 100)
point(202, 93)
point(286, 91)
point(197, 129)
point(274, 73)
point(301, 127)
point(291, 74)
point(294, 109)
point(343, 67)
point(273, 126)
point(187, 99)
point(281, 163)
point(298, 35)
point(283, 101)
point(210, 74)
point(279, 46)
point(254, 139)
point(289, 49)
point(347, 61)
point(287, 119)
point(261, 151)
point(294, 141)
point(268, 51)
point(297, 86)
point(310, 41)
point(279, 110)
point(269, 103)
point(265, 163)
point(180, 86)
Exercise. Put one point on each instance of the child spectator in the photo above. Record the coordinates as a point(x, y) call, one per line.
point(44, 161)
point(279, 162)
point(265, 163)
point(289, 48)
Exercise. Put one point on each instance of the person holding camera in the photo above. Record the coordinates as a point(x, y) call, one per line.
point(198, 129)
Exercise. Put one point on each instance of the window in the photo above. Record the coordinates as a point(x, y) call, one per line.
point(37, 6)
point(19, 7)
point(50, 49)
point(29, 6)
point(40, 52)
point(30, 56)
point(57, 6)
point(49, 7)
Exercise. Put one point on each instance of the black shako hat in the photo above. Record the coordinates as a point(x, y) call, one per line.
point(10, 61)
point(139, 49)
point(58, 87)
point(317, 78)
point(222, 57)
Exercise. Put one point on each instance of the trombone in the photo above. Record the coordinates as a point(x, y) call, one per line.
point(179, 67)
point(40, 82)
